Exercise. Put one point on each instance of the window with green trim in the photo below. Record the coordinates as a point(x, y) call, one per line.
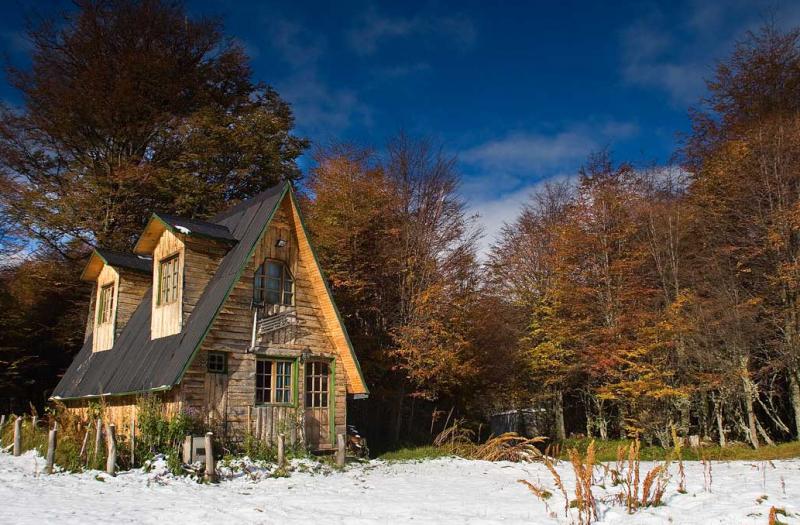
point(274, 381)
point(217, 363)
point(317, 377)
point(273, 284)
point(105, 311)
point(169, 279)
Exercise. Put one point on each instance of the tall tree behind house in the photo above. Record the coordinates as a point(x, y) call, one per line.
point(399, 250)
point(128, 106)
point(131, 105)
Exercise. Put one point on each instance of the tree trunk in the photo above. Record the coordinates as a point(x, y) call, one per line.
point(794, 396)
point(399, 421)
point(558, 408)
point(720, 424)
point(749, 394)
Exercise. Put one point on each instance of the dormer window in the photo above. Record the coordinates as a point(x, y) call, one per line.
point(105, 312)
point(273, 284)
point(169, 280)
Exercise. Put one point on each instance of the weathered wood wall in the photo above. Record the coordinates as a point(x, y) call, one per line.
point(122, 410)
point(132, 287)
point(231, 332)
point(104, 333)
point(167, 319)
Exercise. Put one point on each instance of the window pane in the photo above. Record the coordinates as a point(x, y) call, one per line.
point(275, 270)
point(217, 362)
point(263, 381)
point(274, 297)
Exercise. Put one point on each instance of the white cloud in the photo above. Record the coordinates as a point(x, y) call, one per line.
point(375, 28)
point(536, 151)
point(494, 213)
point(677, 55)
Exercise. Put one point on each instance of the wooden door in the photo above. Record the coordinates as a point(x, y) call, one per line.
point(317, 411)
point(216, 390)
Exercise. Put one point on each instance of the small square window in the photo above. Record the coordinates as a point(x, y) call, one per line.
point(217, 363)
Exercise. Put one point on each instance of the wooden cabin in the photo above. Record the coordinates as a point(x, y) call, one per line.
point(230, 320)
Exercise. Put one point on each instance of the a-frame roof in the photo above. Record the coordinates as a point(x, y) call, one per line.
point(137, 364)
point(161, 221)
point(101, 257)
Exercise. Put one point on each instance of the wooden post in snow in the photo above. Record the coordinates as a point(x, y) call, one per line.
point(340, 451)
point(210, 470)
point(281, 449)
point(98, 437)
point(187, 449)
point(18, 436)
point(2, 426)
point(51, 448)
point(133, 441)
point(111, 440)
point(85, 439)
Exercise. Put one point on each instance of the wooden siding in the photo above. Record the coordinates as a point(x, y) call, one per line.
point(231, 333)
point(201, 260)
point(327, 311)
point(122, 410)
point(104, 333)
point(132, 287)
point(167, 319)
point(90, 314)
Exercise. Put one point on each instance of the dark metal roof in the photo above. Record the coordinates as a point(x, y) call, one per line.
point(137, 363)
point(126, 260)
point(197, 227)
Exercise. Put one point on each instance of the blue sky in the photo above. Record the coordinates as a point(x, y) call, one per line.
point(520, 92)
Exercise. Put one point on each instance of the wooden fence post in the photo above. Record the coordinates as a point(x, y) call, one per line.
point(210, 470)
point(34, 423)
point(51, 448)
point(133, 442)
point(111, 439)
point(85, 440)
point(281, 449)
point(2, 426)
point(18, 436)
point(340, 452)
point(187, 450)
point(98, 437)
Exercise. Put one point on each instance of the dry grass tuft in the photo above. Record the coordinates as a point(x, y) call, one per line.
point(459, 441)
point(509, 447)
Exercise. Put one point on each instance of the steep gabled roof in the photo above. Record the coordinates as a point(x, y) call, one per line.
point(137, 364)
point(160, 221)
point(101, 256)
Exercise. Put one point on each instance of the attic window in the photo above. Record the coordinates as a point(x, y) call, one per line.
point(106, 311)
point(169, 280)
point(273, 284)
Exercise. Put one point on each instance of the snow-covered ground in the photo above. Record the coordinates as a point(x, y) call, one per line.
point(437, 491)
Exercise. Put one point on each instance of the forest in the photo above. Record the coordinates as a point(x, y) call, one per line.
point(625, 300)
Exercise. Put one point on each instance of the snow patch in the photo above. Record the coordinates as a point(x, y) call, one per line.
point(447, 490)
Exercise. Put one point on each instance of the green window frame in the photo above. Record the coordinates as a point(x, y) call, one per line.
point(169, 279)
point(318, 374)
point(105, 312)
point(273, 283)
point(217, 363)
point(275, 383)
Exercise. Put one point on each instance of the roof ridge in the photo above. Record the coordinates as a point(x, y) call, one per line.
point(246, 203)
